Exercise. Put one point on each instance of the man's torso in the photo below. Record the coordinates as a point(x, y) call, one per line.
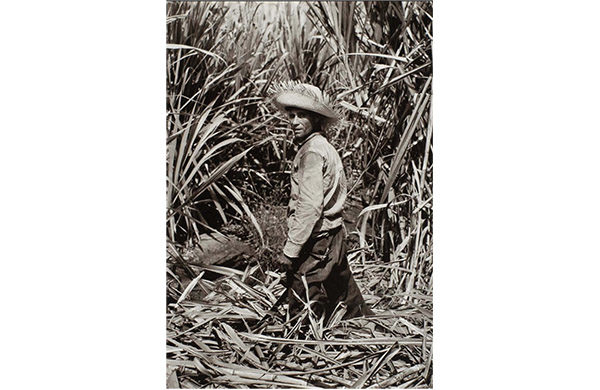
point(334, 182)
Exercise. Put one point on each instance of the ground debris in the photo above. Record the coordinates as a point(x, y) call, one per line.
point(212, 340)
point(217, 250)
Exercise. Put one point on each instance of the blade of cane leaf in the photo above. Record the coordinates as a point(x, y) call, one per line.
point(190, 287)
point(389, 354)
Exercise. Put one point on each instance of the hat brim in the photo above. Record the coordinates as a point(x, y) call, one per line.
point(290, 99)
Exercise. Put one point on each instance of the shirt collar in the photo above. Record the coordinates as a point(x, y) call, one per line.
point(312, 135)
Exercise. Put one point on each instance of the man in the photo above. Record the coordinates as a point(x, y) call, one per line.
point(315, 248)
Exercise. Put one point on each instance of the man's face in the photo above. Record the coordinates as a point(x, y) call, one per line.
point(302, 122)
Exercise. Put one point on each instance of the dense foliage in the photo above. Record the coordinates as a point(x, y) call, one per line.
point(228, 163)
point(227, 147)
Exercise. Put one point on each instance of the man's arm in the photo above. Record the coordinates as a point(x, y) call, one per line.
point(309, 206)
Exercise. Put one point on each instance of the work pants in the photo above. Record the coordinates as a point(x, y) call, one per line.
point(324, 264)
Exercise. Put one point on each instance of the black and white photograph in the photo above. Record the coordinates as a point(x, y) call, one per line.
point(299, 194)
point(240, 194)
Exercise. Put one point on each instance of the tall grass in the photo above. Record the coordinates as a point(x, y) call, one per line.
point(228, 153)
point(227, 148)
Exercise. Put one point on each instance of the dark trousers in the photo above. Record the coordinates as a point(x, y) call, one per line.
point(323, 263)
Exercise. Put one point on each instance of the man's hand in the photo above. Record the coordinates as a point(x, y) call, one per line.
point(285, 262)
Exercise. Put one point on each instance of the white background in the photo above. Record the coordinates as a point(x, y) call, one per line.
point(516, 194)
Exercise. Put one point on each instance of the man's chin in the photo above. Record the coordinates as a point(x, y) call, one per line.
point(299, 138)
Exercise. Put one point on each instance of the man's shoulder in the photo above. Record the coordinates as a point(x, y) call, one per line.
point(318, 144)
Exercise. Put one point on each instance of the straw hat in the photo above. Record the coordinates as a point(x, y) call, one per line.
point(306, 97)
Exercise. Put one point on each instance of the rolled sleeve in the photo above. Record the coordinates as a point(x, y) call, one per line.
point(309, 206)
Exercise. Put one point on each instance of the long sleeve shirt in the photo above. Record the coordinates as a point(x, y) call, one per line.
point(318, 192)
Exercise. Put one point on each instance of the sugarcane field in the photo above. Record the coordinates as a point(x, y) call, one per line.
point(299, 150)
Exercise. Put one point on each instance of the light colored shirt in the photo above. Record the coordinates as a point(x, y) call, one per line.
point(318, 192)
